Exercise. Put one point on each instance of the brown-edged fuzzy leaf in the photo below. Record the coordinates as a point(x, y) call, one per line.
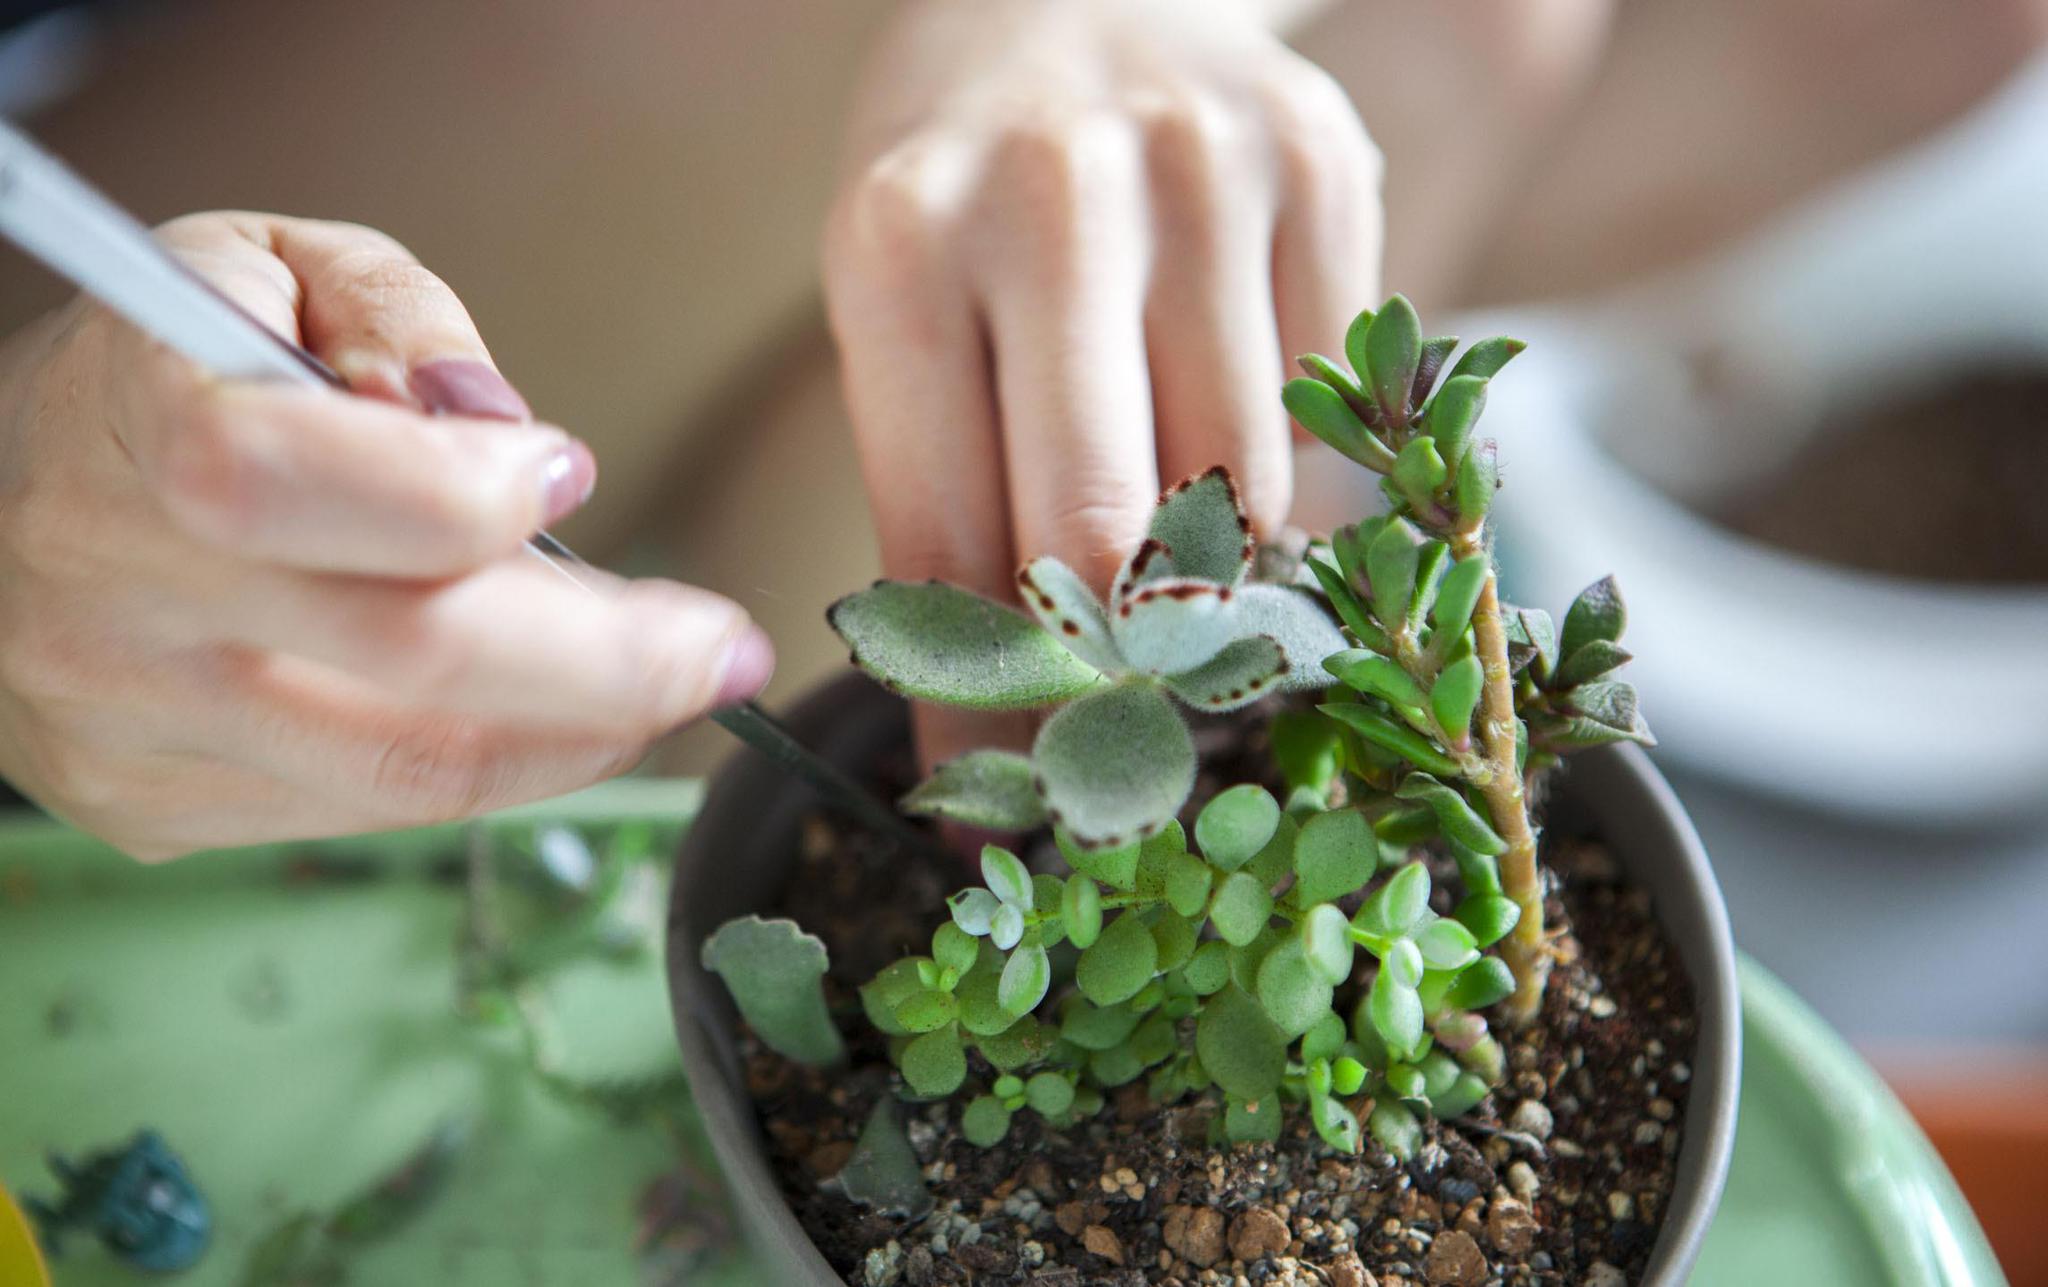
point(942, 644)
point(1202, 523)
point(1114, 766)
point(1296, 621)
point(1171, 626)
point(1069, 611)
point(1242, 673)
point(991, 789)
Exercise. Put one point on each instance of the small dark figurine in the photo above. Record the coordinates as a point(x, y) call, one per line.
point(138, 1200)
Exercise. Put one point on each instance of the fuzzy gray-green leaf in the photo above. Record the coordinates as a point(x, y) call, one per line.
point(1173, 625)
point(1297, 622)
point(1202, 524)
point(883, 1172)
point(942, 644)
point(1241, 674)
point(1114, 766)
point(773, 970)
point(989, 789)
point(1069, 611)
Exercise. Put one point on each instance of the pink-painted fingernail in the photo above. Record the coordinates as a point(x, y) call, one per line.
point(748, 666)
point(566, 481)
point(466, 387)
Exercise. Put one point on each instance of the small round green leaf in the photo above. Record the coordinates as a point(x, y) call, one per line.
point(1025, 979)
point(1323, 1040)
point(934, 1064)
point(1396, 1014)
point(1007, 927)
point(1187, 884)
point(1335, 1123)
point(1094, 1027)
point(1326, 943)
point(924, 1011)
point(1239, 1046)
point(1241, 908)
point(1487, 981)
point(1006, 877)
point(954, 948)
point(1049, 1094)
point(974, 910)
point(1119, 963)
point(1461, 1098)
point(1081, 910)
point(1404, 962)
point(1252, 1121)
point(1208, 969)
point(1446, 945)
point(1397, 906)
point(1335, 855)
point(985, 1122)
point(1347, 1076)
point(1176, 937)
point(1235, 825)
point(1294, 995)
point(1489, 917)
point(1396, 1129)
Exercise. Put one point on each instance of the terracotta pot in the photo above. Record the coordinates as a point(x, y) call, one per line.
point(738, 855)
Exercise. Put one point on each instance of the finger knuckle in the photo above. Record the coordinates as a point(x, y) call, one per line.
point(890, 221)
point(438, 768)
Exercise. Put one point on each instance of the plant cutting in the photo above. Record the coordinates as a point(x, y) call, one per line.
point(1324, 952)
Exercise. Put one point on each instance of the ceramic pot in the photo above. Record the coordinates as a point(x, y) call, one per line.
point(738, 856)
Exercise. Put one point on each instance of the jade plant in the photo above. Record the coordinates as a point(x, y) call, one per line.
point(1285, 946)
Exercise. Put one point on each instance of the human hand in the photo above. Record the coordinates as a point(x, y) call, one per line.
point(1075, 241)
point(235, 612)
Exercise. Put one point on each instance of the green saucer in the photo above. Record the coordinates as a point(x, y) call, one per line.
point(289, 1027)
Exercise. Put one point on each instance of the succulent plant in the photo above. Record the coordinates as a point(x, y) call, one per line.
point(1444, 672)
point(1114, 763)
point(1285, 953)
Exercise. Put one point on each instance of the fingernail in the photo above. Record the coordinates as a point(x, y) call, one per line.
point(466, 387)
point(566, 481)
point(748, 665)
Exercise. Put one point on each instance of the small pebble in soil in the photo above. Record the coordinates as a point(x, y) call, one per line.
point(1532, 1118)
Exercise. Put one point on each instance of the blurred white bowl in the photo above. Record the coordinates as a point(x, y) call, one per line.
point(1887, 698)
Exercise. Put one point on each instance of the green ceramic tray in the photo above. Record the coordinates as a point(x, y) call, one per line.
point(295, 1038)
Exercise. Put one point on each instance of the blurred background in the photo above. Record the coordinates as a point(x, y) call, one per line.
point(1782, 269)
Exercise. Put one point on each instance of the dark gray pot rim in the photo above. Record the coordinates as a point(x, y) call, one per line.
point(735, 858)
